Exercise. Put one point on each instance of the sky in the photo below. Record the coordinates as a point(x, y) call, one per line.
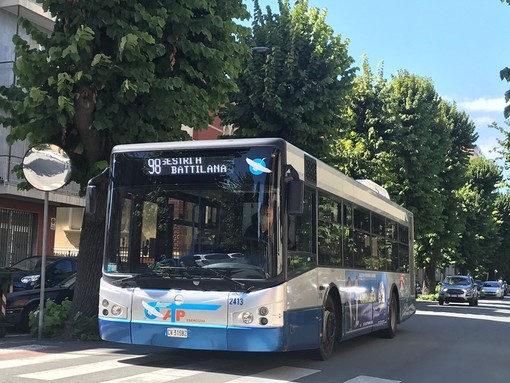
point(460, 45)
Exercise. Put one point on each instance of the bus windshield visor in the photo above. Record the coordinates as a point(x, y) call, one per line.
point(207, 213)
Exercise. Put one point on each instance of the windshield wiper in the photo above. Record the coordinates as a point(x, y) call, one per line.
point(227, 278)
point(125, 282)
point(193, 272)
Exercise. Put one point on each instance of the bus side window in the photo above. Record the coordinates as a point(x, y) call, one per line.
point(330, 232)
point(302, 238)
point(348, 248)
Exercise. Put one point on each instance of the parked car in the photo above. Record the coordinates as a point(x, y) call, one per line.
point(26, 274)
point(458, 288)
point(21, 303)
point(492, 289)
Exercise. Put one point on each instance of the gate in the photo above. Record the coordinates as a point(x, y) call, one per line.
point(17, 235)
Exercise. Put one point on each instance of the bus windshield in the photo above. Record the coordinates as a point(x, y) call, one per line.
point(197, 214)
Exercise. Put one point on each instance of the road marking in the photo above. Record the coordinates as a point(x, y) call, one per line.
point(37, 359)
point(159, 376)
point(370, 379)
point(169, 374)
point(283, 374)
point(465, 315)
point(68, 372)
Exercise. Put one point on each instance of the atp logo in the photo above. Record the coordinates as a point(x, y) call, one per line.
point(171, 311)
point(257, 166)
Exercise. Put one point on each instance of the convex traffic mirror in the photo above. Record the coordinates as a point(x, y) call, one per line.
point(47, 167)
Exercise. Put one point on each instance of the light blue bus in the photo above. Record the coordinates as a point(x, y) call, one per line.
point(327, 258)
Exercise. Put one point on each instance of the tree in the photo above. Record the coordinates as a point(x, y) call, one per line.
point(358, 151)
point(501, 260)
point(480, 239)
point(453, 178)
point(297, 90)
point(115, 72)
point(407, 139)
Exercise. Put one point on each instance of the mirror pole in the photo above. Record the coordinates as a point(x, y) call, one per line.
point(43, 267)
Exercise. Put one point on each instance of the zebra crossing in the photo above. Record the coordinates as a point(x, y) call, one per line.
point(37, 363)
point(43, 364)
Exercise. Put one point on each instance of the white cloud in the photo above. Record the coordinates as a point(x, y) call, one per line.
point(487, 146)
point(484, 105)
point(483, 120)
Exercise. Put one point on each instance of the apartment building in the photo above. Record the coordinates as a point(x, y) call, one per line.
point(22, 212)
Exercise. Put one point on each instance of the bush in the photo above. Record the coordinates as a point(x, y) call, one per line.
point(85, 328)
point(430, 297)
point(53, 319)
point(54, 322)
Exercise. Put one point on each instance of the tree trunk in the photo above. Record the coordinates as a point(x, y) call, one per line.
point(90, 260)
point(430, 278)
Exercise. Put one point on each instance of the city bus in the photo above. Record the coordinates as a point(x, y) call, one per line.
point(328, 258)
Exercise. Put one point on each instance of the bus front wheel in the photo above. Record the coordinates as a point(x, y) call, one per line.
point(329, 329)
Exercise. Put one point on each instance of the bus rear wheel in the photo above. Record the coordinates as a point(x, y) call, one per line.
point(329, 329)
point(391, 329)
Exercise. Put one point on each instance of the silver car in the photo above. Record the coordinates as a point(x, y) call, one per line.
point(458, 288)
point(492, 289)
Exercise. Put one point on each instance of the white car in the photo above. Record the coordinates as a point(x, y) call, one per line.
point(492, 289)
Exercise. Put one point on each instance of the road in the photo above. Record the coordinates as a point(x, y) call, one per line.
point(439, 344)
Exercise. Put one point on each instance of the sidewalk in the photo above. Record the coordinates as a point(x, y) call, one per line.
point(14, 339)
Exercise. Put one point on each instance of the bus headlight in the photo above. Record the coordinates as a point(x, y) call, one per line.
point(109, 308)
point(247, 317)
point(263, 311)
point(116, 310)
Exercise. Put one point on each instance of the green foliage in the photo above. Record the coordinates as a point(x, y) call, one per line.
point(85, 328)
point(297, 90)
point(430, 297)
point(405, 137)
point(359, 149)
point(480, 239)
point(501, 260)
point(505, 75)
point(55, 316)
point(114, 72)
point(53, 320)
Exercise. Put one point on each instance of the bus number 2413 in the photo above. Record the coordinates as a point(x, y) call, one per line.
point(236, 301)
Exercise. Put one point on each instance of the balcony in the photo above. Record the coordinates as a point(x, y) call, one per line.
point(30, 10)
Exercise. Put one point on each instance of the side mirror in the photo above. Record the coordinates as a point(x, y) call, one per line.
point(91, 192)
point(295, 197)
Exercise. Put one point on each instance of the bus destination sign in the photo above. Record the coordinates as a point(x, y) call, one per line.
point(188, 165)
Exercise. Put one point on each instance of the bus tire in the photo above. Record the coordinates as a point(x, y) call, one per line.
point(391, 328)
point(329, 332)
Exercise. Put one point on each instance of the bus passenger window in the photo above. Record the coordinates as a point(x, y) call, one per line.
point(329, 235)
point(301, 250)
point(347, 236)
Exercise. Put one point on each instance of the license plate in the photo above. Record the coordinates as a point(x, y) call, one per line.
point(177, 332)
